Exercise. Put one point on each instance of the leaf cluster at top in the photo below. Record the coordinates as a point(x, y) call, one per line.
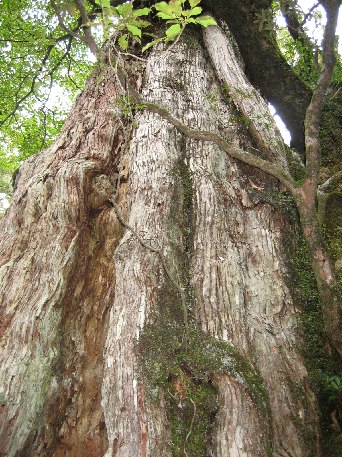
point(127, 20)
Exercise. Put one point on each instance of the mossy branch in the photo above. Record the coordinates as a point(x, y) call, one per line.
point(313, 113)
point(330, 183)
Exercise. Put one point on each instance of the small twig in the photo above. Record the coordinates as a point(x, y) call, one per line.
point(336, 93)
point(308, 14)
point(128, 54)
point(191, 426)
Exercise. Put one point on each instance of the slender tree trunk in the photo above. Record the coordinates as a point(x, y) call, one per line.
point(146, 308)
point(329, 293)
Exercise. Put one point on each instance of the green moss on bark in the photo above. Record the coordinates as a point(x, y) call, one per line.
point(180, 361)
point(320, 363)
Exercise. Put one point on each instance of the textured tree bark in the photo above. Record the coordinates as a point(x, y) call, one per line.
point(162, 324)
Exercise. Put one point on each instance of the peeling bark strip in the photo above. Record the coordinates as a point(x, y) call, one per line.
point(82, 290)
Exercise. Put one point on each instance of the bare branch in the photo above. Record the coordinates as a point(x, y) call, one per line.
point(308, 14)
point(32, 87)
point(87, 38)
point(231, 150)
point(20, 101)
point(331, 182)
point(62, 24)
point(313, 113)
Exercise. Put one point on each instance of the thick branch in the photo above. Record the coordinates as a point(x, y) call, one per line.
point(265, 63)
point(295, 27)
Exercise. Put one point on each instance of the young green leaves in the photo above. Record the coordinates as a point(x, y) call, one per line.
point(179, 17)
point(127, 21)
point(124, 18)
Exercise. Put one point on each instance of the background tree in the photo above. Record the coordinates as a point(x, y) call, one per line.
point(158, 295)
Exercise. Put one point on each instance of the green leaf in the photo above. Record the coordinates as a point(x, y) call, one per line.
point(135, 31)
point(164, 16)
point(195, 11)
point(174, 9)
point(138, 23)
point(125, 9)
point(152, 43)
point(142, 12)
point(194, 3)
point(173, 31)
point(205, 21)
point(123, 42)
point(163, 7)
point(103, 3)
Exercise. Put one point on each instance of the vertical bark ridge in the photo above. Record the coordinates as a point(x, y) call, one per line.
point(50, 240)
point(239, 276)
point(246, 98)
point(155, 148)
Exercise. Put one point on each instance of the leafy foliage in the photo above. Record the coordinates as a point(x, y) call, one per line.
point(300, 56)
point(37, 58)
point(123, 18)
point(178, 17)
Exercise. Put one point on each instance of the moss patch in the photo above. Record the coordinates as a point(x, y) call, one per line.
point(181, 364)
point(320, 363)
point(176, 358)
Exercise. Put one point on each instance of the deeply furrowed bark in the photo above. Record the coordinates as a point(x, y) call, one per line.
point(81, 292)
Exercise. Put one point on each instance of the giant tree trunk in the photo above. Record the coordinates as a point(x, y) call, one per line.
point(146, 307)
